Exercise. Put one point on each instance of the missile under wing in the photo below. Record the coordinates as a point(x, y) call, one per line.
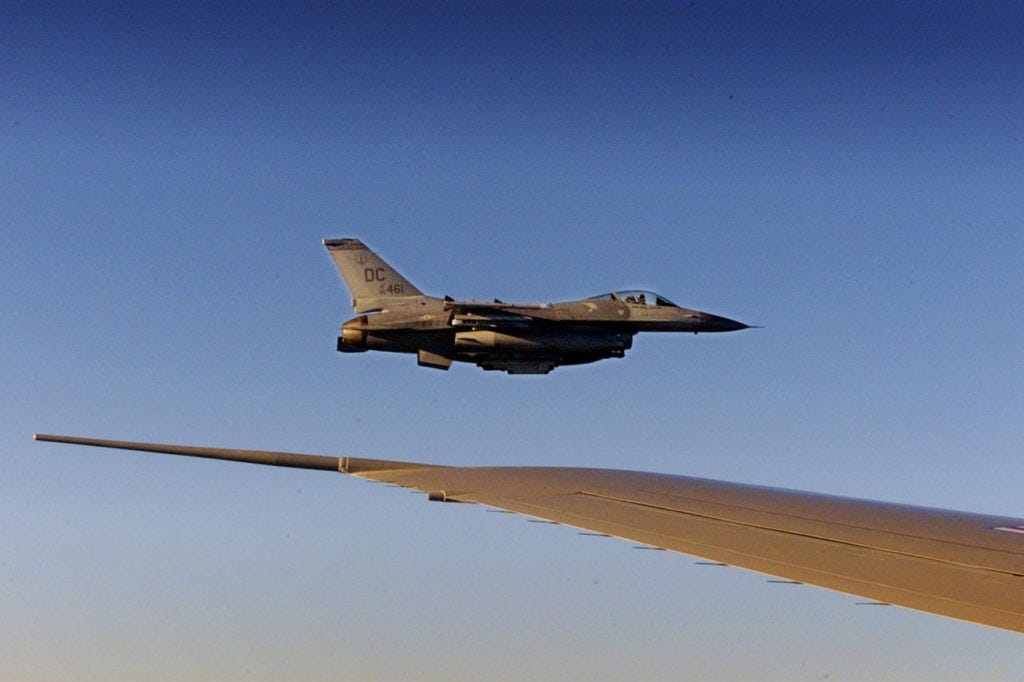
point(518, 338)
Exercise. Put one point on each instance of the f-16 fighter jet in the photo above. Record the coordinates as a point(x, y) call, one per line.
point(518, 338)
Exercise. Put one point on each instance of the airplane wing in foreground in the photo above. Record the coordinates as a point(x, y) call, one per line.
point(957, 564)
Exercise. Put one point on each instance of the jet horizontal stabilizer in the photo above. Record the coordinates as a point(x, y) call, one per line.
point(427, 359)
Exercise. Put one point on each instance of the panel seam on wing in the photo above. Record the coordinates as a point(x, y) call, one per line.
point(747, 524)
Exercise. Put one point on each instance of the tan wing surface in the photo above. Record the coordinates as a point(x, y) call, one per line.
point(956, 564)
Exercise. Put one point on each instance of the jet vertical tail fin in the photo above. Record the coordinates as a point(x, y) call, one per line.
point(368, 277)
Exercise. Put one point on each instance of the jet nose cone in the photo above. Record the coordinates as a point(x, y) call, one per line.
point(717, 323)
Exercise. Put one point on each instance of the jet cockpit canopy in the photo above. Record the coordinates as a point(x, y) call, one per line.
point(637, 297)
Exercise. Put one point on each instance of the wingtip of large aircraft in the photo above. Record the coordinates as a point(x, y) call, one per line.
point(345, 465)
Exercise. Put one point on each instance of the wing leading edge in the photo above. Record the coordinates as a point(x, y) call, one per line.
point(957, 564)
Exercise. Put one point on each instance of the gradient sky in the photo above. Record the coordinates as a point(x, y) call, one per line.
point(849, 176)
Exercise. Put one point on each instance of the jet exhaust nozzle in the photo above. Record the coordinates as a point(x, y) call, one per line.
point(353, 335)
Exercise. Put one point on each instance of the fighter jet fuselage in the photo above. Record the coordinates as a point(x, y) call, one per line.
point(513, 337)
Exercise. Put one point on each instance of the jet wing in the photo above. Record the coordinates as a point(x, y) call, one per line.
point(956, 564)
point(495, 315)
point(481, 307)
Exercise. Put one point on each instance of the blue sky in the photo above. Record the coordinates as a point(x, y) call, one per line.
point(848, 176)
